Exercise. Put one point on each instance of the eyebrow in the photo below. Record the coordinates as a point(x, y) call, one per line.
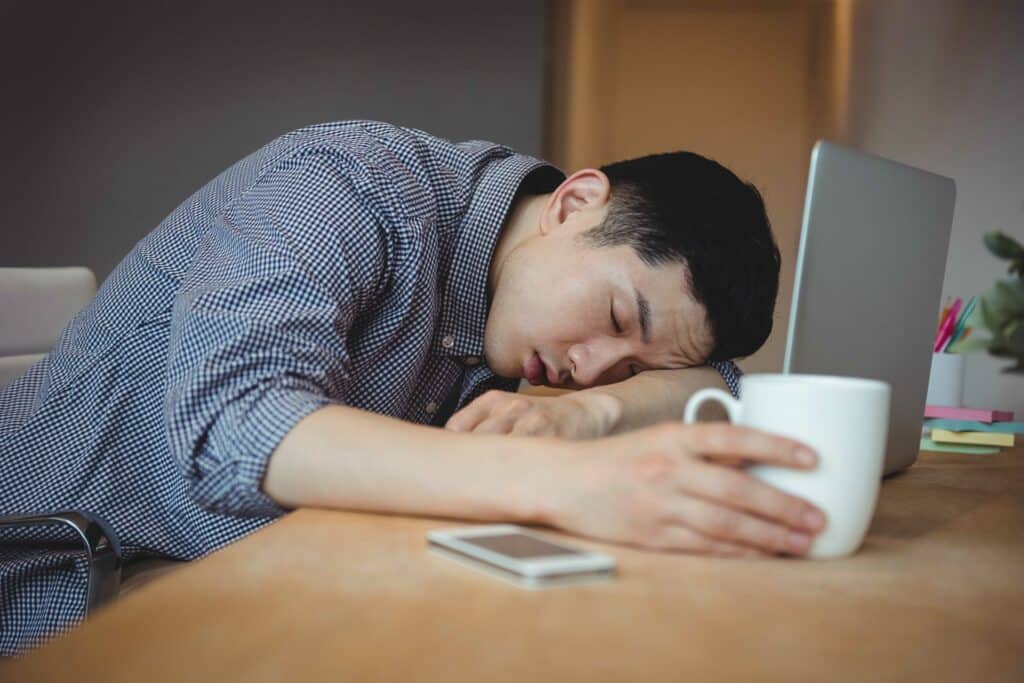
point(645, 316)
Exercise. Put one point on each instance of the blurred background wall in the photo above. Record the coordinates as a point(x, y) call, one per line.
point(937, 84)
point(940, 84)
point(115, 112)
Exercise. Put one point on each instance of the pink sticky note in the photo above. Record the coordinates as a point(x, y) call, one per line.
point(979, 414)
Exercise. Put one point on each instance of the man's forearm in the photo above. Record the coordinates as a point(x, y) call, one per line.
point(653, 396)
point(340, 457)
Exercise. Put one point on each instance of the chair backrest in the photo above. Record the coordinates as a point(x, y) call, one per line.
point(35, 305)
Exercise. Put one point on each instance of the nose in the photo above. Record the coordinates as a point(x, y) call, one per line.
point(593, 361)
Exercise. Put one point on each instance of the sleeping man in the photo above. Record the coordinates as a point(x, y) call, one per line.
point(341, 319)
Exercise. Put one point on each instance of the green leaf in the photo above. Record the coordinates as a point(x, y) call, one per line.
point(1009, 299)
point(1003, 246)
point(975, 318)
point(1014, 334)
point(1004, 303)
point(993, 319)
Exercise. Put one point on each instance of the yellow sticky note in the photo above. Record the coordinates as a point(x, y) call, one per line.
point(979, 438)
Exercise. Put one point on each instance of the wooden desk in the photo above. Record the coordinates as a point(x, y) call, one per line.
point(936, 594)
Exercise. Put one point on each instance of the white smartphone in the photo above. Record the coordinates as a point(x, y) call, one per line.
point(523, 556)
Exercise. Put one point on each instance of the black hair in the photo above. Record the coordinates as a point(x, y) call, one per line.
point(685, 208)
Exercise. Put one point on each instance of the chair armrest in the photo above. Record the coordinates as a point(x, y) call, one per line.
point(102, 547)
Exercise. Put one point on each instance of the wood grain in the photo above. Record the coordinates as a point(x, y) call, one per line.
point(935, 594)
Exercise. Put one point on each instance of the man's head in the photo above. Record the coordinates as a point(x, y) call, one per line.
point(659, 262)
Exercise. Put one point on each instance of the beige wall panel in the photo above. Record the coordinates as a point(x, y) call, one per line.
point(732, 82)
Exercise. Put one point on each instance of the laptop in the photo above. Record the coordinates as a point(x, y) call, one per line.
point(869, 280)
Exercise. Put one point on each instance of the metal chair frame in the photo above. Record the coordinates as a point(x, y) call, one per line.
point(102, 548)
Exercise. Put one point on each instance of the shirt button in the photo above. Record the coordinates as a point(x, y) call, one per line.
point(448, 341)
point(431, 408)
point(472, 360)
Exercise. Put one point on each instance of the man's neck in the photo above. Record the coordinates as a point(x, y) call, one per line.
point(522, 222)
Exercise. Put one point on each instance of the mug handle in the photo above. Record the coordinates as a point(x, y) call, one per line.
point(731, 405)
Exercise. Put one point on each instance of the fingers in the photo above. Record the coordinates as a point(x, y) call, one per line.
point(500, 424)
point(684, 539)
point(518, 423)
point(740, 491)
point(503, 413)
point(535, 423)
point(731, 441)
point(497, 422)
point(467, 419)
point(731, 526)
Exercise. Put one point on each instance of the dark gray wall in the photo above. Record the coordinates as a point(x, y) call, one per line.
point(115, 112)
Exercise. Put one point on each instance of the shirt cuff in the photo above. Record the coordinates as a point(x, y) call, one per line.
point(239, 448)
point(730, 373)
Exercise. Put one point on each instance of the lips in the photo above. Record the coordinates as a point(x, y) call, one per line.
point(537, 372)
point(552, 375)
point(534, 370)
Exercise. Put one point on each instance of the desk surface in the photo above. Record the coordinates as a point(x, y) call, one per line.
point(936, 593)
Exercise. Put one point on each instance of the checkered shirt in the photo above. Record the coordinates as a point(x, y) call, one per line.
point(341, 263)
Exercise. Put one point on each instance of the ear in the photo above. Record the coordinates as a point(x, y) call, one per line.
point(586, 189)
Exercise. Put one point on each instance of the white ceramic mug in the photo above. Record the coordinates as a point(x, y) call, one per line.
point(844, 419)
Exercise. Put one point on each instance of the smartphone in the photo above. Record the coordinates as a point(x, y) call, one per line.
point(523, 556)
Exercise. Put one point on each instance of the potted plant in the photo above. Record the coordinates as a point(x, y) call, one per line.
point(1001, 309)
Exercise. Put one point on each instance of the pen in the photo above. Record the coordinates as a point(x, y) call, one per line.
point(947, 326)
point(958, 329)
point(945, 311)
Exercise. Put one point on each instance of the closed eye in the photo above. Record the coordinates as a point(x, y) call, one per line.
point(615, 322)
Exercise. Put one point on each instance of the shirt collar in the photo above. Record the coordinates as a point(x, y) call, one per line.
point(464, 302)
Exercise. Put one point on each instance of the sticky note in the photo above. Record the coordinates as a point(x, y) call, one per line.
point(929, 445)
point(979, 414)
point(975, 426)
point(976, 438)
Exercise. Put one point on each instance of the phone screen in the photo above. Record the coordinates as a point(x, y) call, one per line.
point(519, 546)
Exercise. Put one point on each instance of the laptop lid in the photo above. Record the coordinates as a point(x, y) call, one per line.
point(869, 280)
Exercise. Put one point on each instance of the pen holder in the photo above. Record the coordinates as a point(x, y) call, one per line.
point(946, 380)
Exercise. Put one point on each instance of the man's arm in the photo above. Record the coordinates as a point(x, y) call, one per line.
point(645, 399)
point(259, 329)
point(342, 457)
point(654, 396)
point(665, 487)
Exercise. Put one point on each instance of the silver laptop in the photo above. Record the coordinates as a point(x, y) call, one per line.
point(869, 280)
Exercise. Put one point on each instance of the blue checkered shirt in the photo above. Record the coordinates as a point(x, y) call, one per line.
point(341, 263)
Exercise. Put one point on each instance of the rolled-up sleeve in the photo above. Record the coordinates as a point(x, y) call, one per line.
point(261, 325)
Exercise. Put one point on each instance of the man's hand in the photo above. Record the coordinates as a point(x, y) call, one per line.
point(668, 487)
point(645, 399)
point(679, 487)
point(569, 416)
